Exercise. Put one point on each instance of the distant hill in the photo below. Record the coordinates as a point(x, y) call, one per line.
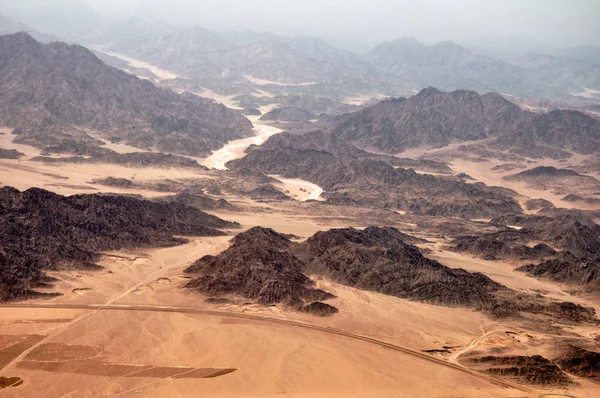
point(59, 93)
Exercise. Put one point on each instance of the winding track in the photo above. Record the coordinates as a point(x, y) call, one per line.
point(111, 307)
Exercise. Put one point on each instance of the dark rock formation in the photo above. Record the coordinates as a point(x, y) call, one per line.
point(40, 230)
point(201, 202)
point(580, 362)
point(537, 204)
point(578, 235)
point(10, 154)
point(288, 115)
point(258, 267)
point(506, 244)
point(567, 268)
point(543, 171)
point(319, 308)
point(533, 370)
point(378, 259)
point(134, 159)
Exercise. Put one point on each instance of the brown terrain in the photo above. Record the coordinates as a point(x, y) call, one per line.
point(438, 272)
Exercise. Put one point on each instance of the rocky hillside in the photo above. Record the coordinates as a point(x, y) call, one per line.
point(434, 118)
point(59, 93)
point(40, 230)
point(257, 266)
point(380, 259)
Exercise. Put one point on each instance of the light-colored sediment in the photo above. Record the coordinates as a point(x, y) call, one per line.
point(300, 189)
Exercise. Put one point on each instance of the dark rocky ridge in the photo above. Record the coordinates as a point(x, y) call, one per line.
point(544, 171)
point(258, 267)
point(10, 154)
point(533, 369)
point(568, 269)
point(133, 159)
point(580, 362)
point(40, 230)
point(379, 259)
point(58, 92)
point(576, 234)
point(288, 115)
point(505, 244)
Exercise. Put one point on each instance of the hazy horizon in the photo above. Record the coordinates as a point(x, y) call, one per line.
point(553, 22)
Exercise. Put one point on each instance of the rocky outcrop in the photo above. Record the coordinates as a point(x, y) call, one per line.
point(568, 269)
point(288, 115)
point(378, 259)
point(506, 244)
point(10, 154)
point(580, 362)
point(133, 159)
point(201, 202)
point(270, 268)
point(576, 234)
point(528, 369)
point(257, 266)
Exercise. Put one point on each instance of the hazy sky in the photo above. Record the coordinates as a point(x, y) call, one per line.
point(559, 22)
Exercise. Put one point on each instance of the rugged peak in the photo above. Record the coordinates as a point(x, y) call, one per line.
point(428, 92)
point(262, 236)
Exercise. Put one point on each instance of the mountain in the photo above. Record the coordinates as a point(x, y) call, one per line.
point(435, 118)
point(257, 266)
point(40, 230)
point(59, 93)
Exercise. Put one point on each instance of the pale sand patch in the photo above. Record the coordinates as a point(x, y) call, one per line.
point(361, 99)
point(263, 82)
point(24, 175)
point(236, 149)
point(588, 93)
point(162, 74)
point(299, 189)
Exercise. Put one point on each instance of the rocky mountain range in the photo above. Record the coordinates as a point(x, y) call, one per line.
point(63, 95)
